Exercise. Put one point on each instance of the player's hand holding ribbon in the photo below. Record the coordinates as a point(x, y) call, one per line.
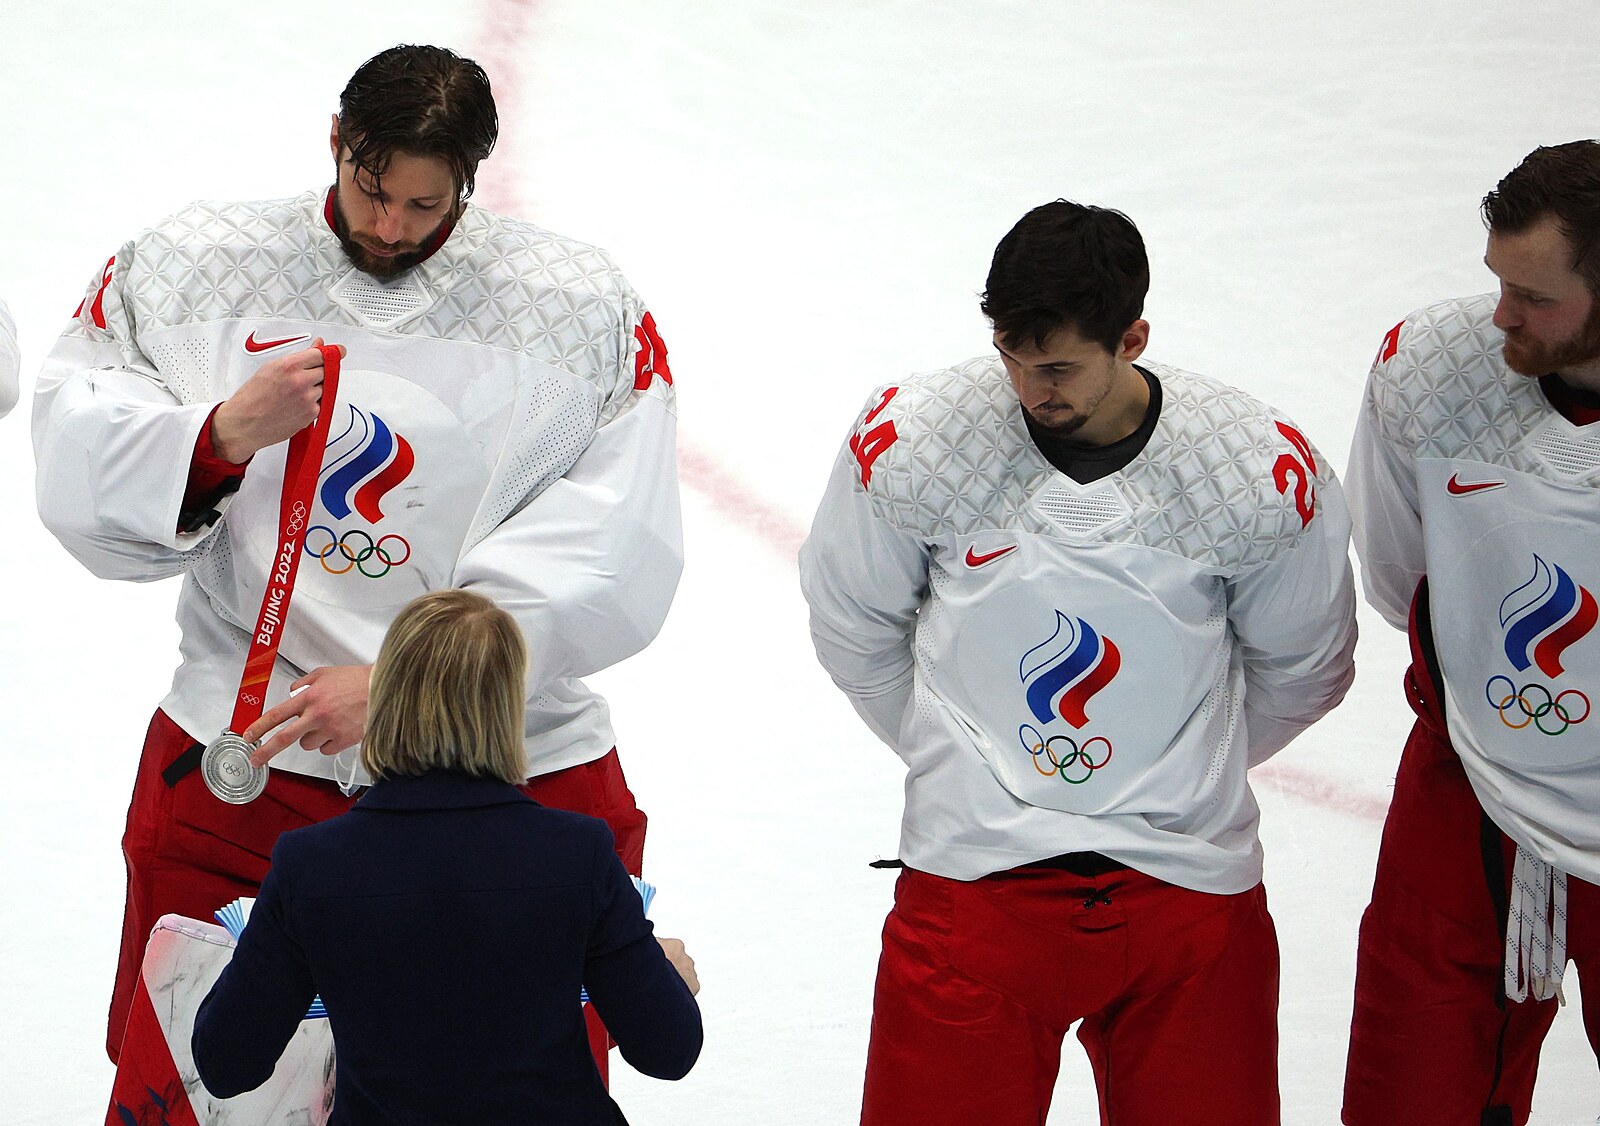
point(267, 408)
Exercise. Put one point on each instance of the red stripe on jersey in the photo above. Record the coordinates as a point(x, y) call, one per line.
point(1078, 696)
point(372, 492)
point(1547, 654)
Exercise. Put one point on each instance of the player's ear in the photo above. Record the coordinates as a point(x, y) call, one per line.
point(333, 139)
point(1134, 340)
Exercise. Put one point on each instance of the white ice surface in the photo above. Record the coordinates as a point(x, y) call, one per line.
point(808, 195)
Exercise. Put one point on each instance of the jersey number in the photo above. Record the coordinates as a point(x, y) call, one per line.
point(98, 309)
point(1390, 345)
point(1302, 470)
point(868, 444)
point(650, 361)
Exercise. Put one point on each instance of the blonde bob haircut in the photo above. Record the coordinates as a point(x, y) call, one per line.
point(447, 691)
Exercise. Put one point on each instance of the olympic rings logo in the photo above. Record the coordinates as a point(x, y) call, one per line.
point(297, 518)
point(388, 552)
point(1061, 756)
point(1524, 702)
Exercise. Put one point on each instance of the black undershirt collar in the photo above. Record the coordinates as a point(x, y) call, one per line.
point(1086, 464)
point(1580, 407)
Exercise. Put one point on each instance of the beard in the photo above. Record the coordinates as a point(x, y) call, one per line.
point(1060, 427)
point(379, 266)
point(1527, 356)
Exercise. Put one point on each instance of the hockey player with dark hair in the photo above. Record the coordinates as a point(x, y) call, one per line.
point(1080, 594)
point(1475, 488)
point(504, 422)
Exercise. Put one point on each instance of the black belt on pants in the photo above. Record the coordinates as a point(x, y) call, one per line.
point(1085, 864)
point(186, 763)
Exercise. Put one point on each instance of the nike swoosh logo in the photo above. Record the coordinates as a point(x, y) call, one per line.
point(976, 560)
point(1456, 488)
point(252, 345)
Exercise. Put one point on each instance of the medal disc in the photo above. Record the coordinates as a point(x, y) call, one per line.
point(226, 768)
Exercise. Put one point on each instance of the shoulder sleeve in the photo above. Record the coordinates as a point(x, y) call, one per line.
point(646, 1006)
point(112, 441)
point(865, 578)
point(589, 566)
point(10, 361)
point(258, 1002)
point(1383, 496)
point(1293, 616)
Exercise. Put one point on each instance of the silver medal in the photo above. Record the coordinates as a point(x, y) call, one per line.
point(225, 766)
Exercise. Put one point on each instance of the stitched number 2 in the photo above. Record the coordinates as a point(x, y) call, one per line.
point(1302, 470)
point(868, 444)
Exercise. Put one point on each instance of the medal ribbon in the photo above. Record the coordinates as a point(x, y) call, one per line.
point(300, 472)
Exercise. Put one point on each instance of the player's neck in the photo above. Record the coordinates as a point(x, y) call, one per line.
point(1123, 411)
point(1584, 377)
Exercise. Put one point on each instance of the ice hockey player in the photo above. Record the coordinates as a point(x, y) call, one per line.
point(504, 423)
point(1079, 594)
point(1475, 489)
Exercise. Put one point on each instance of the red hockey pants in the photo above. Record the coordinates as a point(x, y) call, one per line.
point(1433, 1041)
point(189, 853)
point(979, 981)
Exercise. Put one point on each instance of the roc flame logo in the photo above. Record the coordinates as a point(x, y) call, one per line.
point(367, 445)
point(1059, 677)
point(1542, 619)
point(365, 463)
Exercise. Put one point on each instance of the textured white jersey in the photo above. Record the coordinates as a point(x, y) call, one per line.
point(10, 361)
point(1462, 470)
point(505, 423)
point(1069, 667)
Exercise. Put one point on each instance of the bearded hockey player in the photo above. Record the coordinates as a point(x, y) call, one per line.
point(1079, 594)
point(1475, 484)
point(504, 423)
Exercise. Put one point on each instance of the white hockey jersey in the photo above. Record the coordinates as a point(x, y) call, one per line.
point(1461, 469)
point(1069, 667)
point(10, 361)
point(505, 423)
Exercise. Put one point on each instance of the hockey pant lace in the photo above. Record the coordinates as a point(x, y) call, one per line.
point(1536, 929)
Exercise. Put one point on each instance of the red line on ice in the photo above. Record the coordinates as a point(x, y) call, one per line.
point(729, 496)
point(1320, 790)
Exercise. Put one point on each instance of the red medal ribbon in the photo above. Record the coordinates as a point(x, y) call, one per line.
point(300, 472)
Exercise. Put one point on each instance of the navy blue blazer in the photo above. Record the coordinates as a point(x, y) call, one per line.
point(448, 922)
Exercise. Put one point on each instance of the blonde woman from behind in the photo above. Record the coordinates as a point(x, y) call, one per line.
point(448, 921)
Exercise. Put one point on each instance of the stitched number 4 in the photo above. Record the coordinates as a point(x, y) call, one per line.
point(1302, 469)
point(868, 444)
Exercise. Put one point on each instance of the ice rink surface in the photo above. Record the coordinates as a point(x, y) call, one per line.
point(807, 195)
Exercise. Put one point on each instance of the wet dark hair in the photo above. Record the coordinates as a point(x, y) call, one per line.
point(426, 101)
point(1562, 181)
point(1067, 265)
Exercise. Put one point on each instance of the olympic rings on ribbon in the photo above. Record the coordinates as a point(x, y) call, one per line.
point(297, 518)
point(387, 550)
point(1063, 754)
point(1534, 711)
